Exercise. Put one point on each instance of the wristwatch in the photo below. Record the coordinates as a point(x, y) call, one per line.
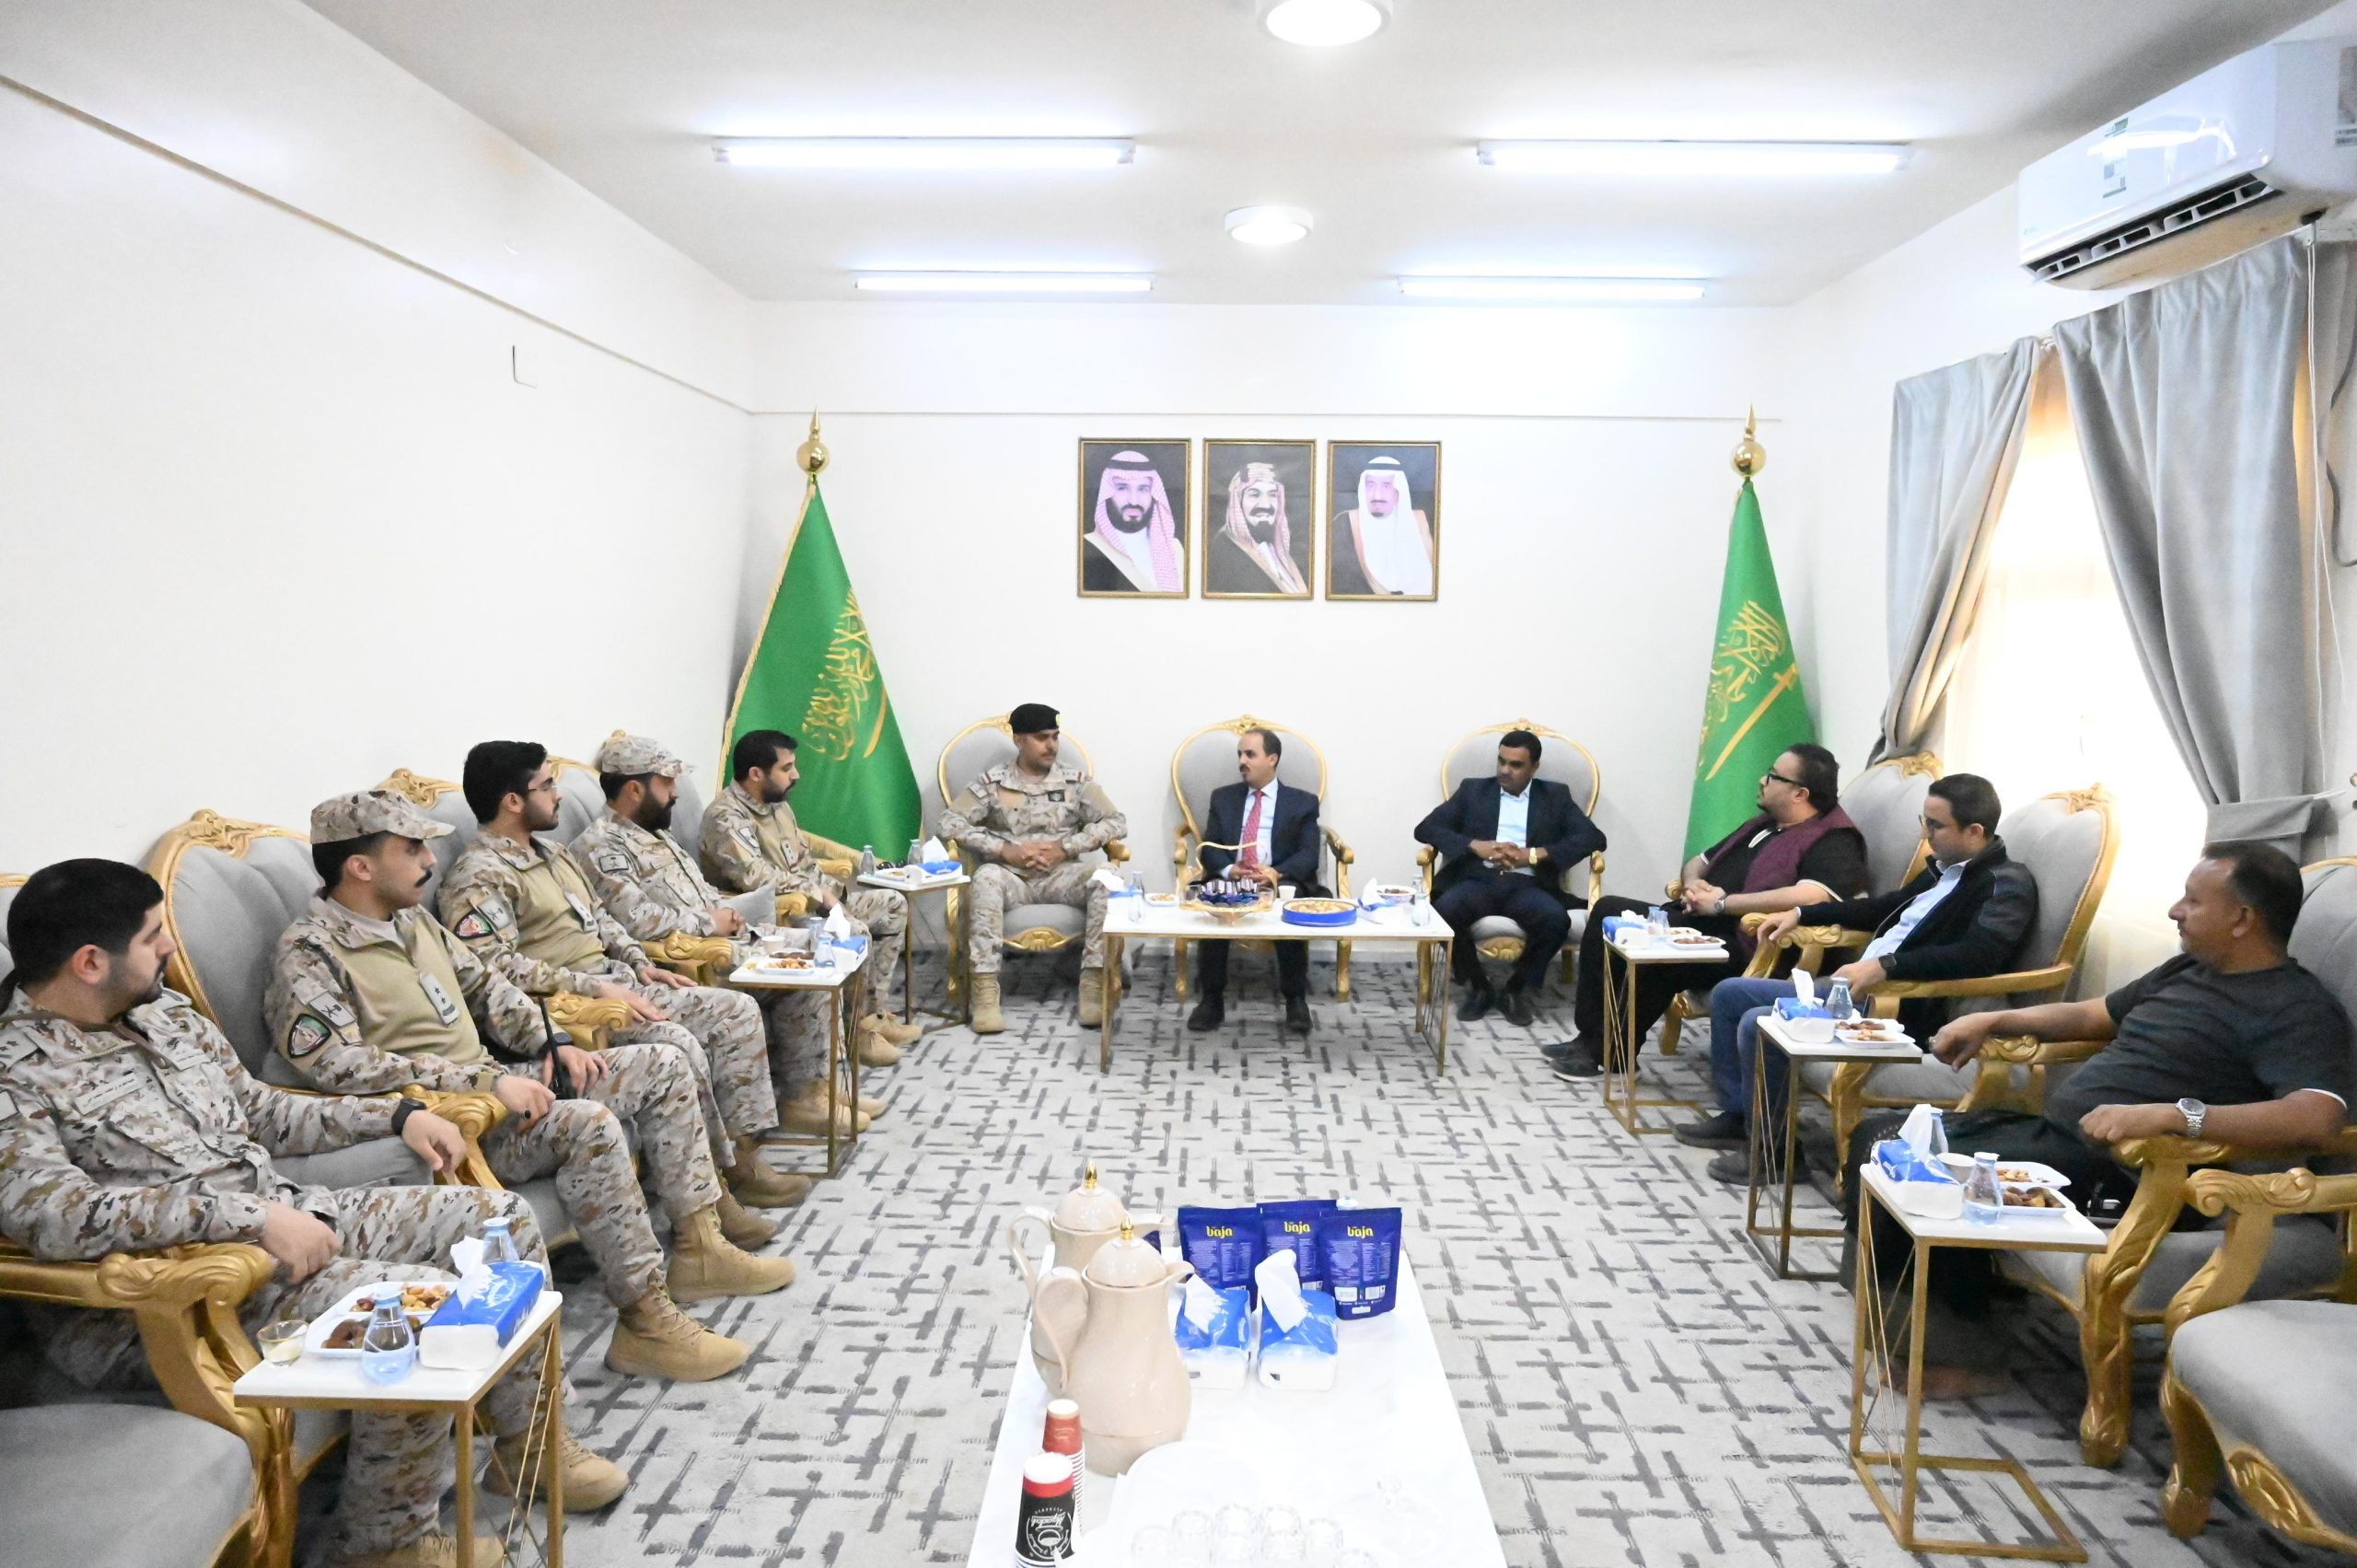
point(2193, 1110)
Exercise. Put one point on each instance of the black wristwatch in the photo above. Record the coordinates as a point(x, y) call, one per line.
point(404, 1108)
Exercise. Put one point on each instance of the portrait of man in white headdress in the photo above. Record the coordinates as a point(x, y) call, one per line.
point(1385, 540)
point(1133, 517)
point(1258, 512)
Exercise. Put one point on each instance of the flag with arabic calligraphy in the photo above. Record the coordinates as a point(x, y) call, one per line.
point(813, 674)
point(1754, 711)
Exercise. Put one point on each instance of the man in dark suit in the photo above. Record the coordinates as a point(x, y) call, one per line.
point(1506, 844)
point(1275, 830)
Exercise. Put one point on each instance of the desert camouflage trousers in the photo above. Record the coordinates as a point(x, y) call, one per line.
point(885, 913)
point(397, 1468)
point(721, 1034)
point(997, 887)
point(797, 1034)
point(580, 1142)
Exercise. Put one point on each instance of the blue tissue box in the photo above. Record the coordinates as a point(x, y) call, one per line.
point(480, 1316)
point(1305, 1356)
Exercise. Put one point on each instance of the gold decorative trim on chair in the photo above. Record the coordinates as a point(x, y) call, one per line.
point(1189, 829)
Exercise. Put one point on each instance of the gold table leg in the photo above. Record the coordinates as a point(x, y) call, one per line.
point(1765, 1147)
point(1622, 1045)
point(1111, 983)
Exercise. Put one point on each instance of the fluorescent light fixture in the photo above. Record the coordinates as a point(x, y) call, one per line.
point(1322, 24)
point(924, 152)
point(1558, 290)
point(1268, 225)
point(1695, 158)
point(1002, 282)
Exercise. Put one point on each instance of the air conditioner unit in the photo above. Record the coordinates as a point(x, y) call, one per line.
point(2243, 152)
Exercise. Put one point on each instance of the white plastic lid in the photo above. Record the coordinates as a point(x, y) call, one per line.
point(1048, 1469)
point(1060, 1408)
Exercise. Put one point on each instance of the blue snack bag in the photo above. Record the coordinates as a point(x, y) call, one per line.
point(1361, 1249)
point(1224, 1245)
point(1294, 1226)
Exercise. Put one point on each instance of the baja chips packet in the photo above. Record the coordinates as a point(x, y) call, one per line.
point(1224, 1245)
point(1360, 1250)
point(1293, 1226)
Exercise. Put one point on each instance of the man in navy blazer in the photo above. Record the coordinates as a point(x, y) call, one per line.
point(1275, 827)
point(1505, 843)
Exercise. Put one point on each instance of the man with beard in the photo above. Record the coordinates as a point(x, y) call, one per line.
point(127, 1123)
point(751, 839)
point(369, 995)
point(1383, 546)
point(528, 911)
point(1133, 545)
point(651, 884)
point(1254, 552)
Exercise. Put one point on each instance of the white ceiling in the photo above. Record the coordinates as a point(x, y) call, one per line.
point(1375, 138)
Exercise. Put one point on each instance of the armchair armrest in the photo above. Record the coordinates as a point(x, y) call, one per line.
point(1425, 857)
point(577, 1014)
point(825, 849)
point(2252, 1204)
point(1343, 860)
point(695, 956)
point(1992, 1081)
point(1116, 851)
point(2052, 978)
point(1595, 877)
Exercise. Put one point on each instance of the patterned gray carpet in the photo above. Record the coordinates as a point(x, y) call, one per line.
point(1635, 1388)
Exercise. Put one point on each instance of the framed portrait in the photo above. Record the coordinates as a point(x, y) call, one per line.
point(1134, 516)
point(1259, 519)
point(1383, 540)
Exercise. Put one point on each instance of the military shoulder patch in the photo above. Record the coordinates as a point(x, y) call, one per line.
point(614, 863)
point(328, 1005)
point(308, 1033)
point(472, 926)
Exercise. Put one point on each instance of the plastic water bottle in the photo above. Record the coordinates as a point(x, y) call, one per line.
point(1419, 911)
point(916, 853)
point(1657, 923)
point(1984, 1200)
point(1134, 897)
point(499, 1244)
point(867, 860)
point(1836, 1000)
point(1939, 1143)
point(387, 1348)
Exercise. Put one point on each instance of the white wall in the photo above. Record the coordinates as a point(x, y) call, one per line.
point(275, 516)
point(1586, 499)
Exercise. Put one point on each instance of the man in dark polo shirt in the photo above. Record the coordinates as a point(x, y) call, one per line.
point(2231, 1040)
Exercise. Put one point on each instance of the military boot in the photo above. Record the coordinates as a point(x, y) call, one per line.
point(654, 1339)
point(807, 1113)
point(591, 1480)
point(437, 1550)
point(705, 1263)
point(874, 1049)
point(758, 1185)
point(742, 1227)
point(893, 1029)
point(1092, 998)
point(988, 1019)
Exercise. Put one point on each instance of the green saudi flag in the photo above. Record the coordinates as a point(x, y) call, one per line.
point(1754, 711)
point(813, 674)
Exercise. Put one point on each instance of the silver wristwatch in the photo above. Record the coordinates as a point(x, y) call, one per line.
point(2193, 1110)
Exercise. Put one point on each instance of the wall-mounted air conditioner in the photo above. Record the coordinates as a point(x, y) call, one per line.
point(2241, 153)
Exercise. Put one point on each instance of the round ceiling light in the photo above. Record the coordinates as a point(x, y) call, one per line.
point(1268, 225)
point(1322, 24)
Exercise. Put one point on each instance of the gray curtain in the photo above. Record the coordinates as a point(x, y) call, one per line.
point(2191, 413)
point(1956, 434)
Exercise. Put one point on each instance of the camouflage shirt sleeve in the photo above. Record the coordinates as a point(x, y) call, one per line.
point(512, 1023)
point(1100, 821)
point(639, 912)
point(622, 947)
point(313, 1026)
point(478, 904)
point(288, 1123)
point(53, 1209)
point(967, 820)
point(734, 864)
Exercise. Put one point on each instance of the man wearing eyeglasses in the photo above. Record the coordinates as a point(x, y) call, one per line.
point(1801, 849)
point(1962, 917)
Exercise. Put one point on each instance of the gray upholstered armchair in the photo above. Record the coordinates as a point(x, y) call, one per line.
point(1206, 760)
point(1562, 760)
point(2243, 1393)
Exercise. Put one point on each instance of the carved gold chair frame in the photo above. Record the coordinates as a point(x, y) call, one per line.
point(2252, 1204)
point(1506, 950)
point(1035, 939)
point(1189, 831)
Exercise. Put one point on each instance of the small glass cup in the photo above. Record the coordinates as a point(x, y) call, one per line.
point(1191, 1537)
point(1233, 1551)
point(1321, 1540)
point(281, 1340)
point(1282, 1551)
point(1149, 1546)
point(1236, 1522)
point(1657, 922)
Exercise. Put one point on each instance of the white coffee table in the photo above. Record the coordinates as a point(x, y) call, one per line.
point(1173, 920)
point(1390, 1421)
point(1621, 1041)
point(842, 1062)
point(319, 1382)
point(1774, 1137)
point(913, 890)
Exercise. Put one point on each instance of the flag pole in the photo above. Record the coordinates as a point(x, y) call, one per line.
point(1749, 457)
point(812, 458)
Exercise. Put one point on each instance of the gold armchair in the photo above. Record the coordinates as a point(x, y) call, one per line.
point(2237, 1369)
point(1206, 760)
point(1562, 760)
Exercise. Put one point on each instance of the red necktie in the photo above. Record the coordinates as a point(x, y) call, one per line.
point(1250, 853)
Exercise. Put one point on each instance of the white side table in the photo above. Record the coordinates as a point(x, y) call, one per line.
point(1774, 1137)
point(841, 983)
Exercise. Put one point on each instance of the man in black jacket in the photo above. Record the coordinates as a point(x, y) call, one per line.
point(1506, 844)
point(1276, 829)
point(1964, 916)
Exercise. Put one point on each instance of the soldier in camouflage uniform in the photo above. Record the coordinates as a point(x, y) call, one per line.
point(751, 839)
point(127, 1123)
point(1029, 821)
point(650, 883)
point(369, 993)
point(528, 909)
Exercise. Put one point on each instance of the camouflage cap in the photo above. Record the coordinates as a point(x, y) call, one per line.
point(368, 812)
point(628, 755)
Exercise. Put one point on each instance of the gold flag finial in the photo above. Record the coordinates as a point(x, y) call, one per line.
point(1750, 457)
point(812, 455)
